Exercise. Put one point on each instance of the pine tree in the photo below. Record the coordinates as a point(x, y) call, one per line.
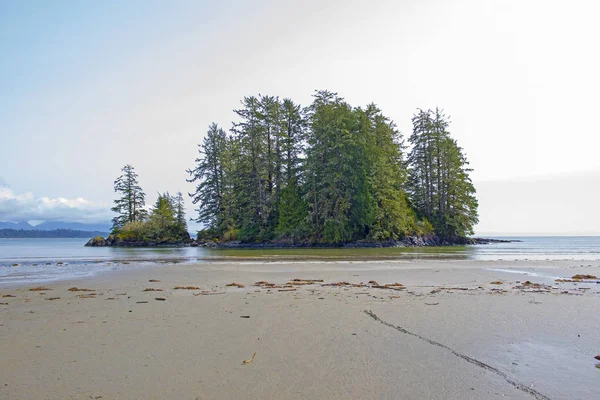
point(209, 176)
point(162, 217)
point(179, 207)
point(393, 218)
point(130, 206)
point(336, 175)
point(439, 184)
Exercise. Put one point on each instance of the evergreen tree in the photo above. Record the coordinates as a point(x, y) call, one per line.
point(336, 177)
point(209, 176)
point(162, 217)
point(439, 184)
point(130, 206)
point(179, 207)
point(393, 218)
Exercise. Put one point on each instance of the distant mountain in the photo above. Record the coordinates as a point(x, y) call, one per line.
point(54, 225)
point(16, 225)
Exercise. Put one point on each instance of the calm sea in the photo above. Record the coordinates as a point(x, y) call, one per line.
point(40, 260)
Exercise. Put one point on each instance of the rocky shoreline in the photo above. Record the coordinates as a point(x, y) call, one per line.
point(413, 241)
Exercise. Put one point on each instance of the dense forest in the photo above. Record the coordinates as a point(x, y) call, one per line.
point(330, 173)
point(55, 233)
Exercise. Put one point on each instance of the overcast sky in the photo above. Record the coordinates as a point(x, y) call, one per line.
point(86, 87)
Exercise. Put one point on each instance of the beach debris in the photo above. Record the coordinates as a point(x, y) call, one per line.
point(244, 316)
point(288, 290)
point(431, 304)
point(395, 284)
point(153, 280)
point(4, 304)
point(205, 293)
point(265, 284)
point(15, 265)
point(186, 288)
point(250, 360)
point(597, 357)
point(8, 295)
point(497, 283)
point(373, 283)
point(160, 298)
point(148, 289)
point(539, 287)
point(110, 298)
point(76, 289)
point(141, 302)
point(53, 298)
point(298, 281)
point(580, 277)
point(337, 284)
point(598, 366)
point(238, 285)
point(60, 263)
point(391, 286)
point(38, 289)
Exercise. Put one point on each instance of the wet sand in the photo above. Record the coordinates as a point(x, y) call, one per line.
point(447, 333)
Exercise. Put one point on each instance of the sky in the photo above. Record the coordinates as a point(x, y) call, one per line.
point(87, 87)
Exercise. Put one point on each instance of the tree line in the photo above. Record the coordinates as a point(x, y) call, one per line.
point(330, 173)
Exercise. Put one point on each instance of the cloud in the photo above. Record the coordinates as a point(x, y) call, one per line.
point(26, 207)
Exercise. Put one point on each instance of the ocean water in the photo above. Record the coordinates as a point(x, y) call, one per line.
point(39, 260)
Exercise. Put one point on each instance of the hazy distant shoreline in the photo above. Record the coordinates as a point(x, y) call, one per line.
point(48, 234)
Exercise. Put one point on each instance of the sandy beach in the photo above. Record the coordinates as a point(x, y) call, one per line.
point(453, 330)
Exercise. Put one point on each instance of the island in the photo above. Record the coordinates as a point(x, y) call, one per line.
point(326, 175)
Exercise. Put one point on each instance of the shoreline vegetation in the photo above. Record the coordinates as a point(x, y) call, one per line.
point(415, 241)
point(326, 175)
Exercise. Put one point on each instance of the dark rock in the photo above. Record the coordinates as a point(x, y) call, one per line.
point(97, 241)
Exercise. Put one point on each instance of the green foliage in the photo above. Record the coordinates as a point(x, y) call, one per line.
point(439, 184)
point(330, 173)
point(293, 211)
point(133, 231)
point(130, 206)
point(166, 222)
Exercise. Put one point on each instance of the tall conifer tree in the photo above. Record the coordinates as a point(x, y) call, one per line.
point(130, 206)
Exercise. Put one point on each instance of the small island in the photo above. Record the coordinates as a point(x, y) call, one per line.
point(325, 175)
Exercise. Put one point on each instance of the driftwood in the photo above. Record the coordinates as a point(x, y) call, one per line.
point(250, 360)
point(208, 293)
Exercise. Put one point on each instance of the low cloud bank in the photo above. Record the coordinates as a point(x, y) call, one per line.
point(27, 207)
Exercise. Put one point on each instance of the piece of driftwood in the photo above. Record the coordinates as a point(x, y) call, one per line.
point(250, 360)
point(208, 293)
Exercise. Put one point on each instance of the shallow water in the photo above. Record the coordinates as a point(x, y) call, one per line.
point(54, 259)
